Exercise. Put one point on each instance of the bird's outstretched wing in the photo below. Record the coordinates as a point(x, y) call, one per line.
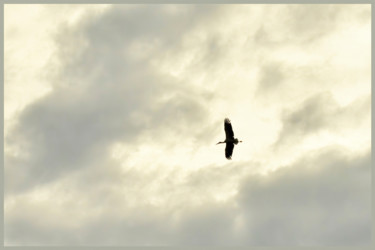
point(228, 128)
point(229, 150)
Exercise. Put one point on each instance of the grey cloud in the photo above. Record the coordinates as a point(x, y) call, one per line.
point(108, 193)
point(208, 226)
point(321, 200)
point(313, 21)
point(305, 24)
point(147, 229)
point(272, 76)
point(115, 225)
point(261, 36)
point(321, 112)
point(139, 228)
point(300, 24)
point(102, 96)
point(112, 36)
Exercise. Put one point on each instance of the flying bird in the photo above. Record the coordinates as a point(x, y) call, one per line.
point(230, 141)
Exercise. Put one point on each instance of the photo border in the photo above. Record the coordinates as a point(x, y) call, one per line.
point(3, 2)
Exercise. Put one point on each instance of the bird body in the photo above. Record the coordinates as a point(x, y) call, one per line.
point(230, 141)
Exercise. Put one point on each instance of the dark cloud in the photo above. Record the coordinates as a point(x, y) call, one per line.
point(321, 112)
point(323, 199)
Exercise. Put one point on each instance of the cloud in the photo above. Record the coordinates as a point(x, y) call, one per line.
point(271, 77)
point(322, 199)
point(121, 150)
point(320, 113)
point(305, 25)
point(314, 22)
point(103, 96)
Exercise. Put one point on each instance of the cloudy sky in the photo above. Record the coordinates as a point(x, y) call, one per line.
point(112, 114)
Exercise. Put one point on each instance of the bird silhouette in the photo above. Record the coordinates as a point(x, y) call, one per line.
point(230, 141)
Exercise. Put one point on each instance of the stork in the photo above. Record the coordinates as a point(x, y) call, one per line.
point(230, 141)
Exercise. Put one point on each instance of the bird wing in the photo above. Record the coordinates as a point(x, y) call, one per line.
point(228, 128)
point(229, 150)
